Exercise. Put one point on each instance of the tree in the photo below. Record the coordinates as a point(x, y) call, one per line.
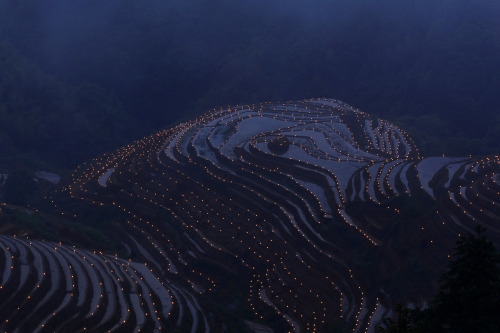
point(468, 300)
point(406, 322)
point(469, 297)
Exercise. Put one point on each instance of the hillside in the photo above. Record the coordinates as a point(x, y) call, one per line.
point(301, 216)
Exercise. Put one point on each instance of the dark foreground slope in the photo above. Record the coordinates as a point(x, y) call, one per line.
point(303, 216)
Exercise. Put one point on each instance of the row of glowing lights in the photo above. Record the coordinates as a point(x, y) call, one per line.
point(99, 262)
point(254, 252)
point(379, 185)
point(107, 166)
point(223, 179)
point(343, 201)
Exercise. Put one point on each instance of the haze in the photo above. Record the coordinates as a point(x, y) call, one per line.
point(83, 77)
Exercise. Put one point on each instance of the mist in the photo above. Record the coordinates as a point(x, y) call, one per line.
point(89, 76)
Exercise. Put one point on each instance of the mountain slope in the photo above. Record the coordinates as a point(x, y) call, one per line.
point(303, 216)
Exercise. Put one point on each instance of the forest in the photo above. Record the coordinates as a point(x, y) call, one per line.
point(81, 78)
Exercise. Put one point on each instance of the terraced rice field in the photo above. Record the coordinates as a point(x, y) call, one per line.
point(306, 208)
point(51, 287)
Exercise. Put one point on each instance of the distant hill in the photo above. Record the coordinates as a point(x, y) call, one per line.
point(81, 78)
point(299, 215)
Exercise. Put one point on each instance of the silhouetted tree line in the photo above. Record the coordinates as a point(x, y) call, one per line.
point(468, 300)
point(81, 77)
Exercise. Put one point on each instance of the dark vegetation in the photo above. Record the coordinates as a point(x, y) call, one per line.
point(40, 225)
point(82, 77)
point(83, 225)
point(468, 298)
point(279, 145)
